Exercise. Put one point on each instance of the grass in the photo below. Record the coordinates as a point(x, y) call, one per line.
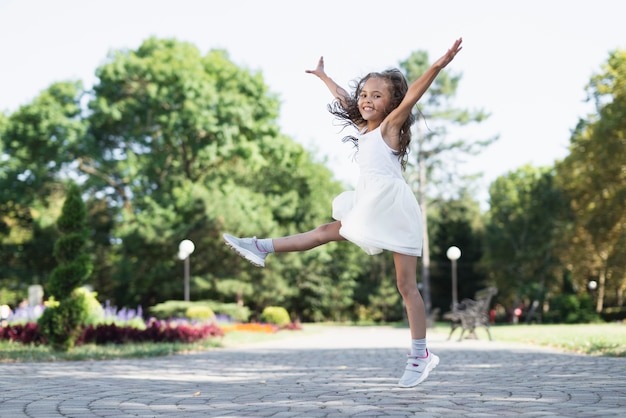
point(16, 352)
point(592, 339)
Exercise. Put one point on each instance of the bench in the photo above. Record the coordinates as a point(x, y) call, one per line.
point(470, 314)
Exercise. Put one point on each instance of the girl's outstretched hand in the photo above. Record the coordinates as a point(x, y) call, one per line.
point(319, 70)
point(449, 56)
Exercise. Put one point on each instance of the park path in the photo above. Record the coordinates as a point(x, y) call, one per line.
point(336, 372)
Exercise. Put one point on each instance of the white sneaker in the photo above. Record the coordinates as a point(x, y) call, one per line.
point(247, 248)
point(417, 370)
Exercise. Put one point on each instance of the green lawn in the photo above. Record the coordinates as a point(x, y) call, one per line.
point(595, 339)
point(16, 352)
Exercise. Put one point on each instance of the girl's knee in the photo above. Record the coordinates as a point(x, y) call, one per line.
point(328, 232)
point(407, 287)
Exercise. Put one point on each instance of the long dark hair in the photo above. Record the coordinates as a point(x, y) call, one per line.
point(351, 116)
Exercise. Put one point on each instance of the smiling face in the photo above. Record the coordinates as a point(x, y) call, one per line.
point(374, 100)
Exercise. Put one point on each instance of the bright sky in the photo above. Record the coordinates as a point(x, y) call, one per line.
point(526, 63)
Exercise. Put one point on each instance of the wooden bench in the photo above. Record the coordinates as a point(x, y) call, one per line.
point(470, 314)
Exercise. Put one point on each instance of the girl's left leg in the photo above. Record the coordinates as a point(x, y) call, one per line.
point(406, 277)
point(420, 362)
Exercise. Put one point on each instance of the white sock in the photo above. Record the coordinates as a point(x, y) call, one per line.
point(265, 245)
point(418, 348)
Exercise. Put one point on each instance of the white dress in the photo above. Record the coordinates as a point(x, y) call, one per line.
point(382, 213)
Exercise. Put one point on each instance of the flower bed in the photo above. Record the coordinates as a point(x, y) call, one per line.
point(251, 327)
point(155, 331)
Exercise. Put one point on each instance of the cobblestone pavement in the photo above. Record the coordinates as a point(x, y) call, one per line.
point(340, 372)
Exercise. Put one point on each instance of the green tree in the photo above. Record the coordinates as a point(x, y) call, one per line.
point(36, 143)
point(61, 323)
point(525, 219)
point(593, 175)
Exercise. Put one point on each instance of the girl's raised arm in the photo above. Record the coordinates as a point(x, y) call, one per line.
point(335, 89)
point(397, 117)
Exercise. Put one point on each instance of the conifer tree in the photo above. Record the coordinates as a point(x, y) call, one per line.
point(61, 322)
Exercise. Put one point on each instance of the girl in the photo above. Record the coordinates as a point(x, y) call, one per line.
point(382, 213)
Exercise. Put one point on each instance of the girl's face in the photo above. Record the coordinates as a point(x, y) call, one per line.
point(374, 100)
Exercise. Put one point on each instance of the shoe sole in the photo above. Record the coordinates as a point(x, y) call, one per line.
point(433, 363)
point(243, 253)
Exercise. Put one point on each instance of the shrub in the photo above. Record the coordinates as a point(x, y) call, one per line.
point(614, 314)
point(95, 312)
point(178, 309)
point(170, 309)
point(236, 312)
point(61, 325)
point(275, 315)
point(201, 313)
point(571, 309)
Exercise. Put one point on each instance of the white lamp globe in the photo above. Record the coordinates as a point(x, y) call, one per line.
point(453, 253)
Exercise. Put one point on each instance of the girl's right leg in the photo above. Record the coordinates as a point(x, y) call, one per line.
point(255, 250)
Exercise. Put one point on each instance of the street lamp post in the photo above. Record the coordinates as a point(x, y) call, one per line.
point(185, 248)
point(454, 253)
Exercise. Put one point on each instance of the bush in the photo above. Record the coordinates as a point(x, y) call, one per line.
point(95, 312)
point(178, 309)
point(201, 313)
point(571, 309)
point(275, 315)
point(236, 312)
point(61, 325)
point(170, 309)
point(616, 314)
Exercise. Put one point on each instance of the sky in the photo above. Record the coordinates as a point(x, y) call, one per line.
point(526, 63)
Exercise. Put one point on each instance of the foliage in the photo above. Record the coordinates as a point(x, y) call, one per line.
point(24, 333)
point(456, 222)
point(593, 177)
point(179, 309)
point(275, 315)
point(202, 313)
point(61, 324)
point(521, 236)
point(571, 309)
point(616, 314)
point(155, 331)
point(37, 146)
point(95, 313)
